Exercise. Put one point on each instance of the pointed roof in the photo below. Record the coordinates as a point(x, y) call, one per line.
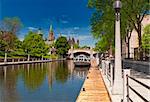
point(51, 28)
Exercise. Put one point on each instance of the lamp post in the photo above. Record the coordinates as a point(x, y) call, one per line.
point(118, 81)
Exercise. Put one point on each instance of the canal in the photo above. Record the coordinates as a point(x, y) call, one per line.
point(41, 82)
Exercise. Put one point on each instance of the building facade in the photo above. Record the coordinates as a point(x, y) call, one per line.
point(133, 42)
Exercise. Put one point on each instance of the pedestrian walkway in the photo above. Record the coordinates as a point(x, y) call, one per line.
point(93, 89)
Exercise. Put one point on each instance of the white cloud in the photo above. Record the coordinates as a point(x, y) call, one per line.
point(84, 37)
point(76, 28)
point(64, 22)
point(32, 28)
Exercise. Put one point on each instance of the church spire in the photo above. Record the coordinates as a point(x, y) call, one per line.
point(51, 34)
point(51, 28)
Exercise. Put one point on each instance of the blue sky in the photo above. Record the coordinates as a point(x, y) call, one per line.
point(70, 17)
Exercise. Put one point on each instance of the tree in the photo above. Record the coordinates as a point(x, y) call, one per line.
point(135, 11)
point(12, 25)
point(76, 46)
point(34, 45)
point(9, 27)
point(85, 47)
point(132, 14)
point(8, 39)
point(3, 44)
point(62, 46)
point(146, 39)
point(127, 39)
point(102, 23)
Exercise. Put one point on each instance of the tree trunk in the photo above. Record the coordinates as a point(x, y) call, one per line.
point(140, 42)
point(128, 45)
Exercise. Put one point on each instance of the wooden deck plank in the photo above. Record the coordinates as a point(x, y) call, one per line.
point(95, 89)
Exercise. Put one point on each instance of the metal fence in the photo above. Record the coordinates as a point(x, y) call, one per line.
point(129, 87)
point(108, 72)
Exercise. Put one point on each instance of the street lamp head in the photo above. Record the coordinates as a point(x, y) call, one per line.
point(117, 5)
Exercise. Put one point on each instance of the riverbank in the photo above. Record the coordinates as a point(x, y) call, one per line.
point(29, 62)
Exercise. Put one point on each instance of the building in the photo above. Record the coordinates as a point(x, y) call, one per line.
point(133, 44)
point(51, 37)
point(72, 41)
point(50, 40)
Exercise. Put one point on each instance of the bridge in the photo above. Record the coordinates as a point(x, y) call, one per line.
point(83, 55)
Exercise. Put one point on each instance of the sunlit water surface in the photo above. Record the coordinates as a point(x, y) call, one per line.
point(41, 82)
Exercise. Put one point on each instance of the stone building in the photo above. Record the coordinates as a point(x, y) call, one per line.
point(51, 37)
point(50, 40)
point(72, 41)
point(133, 44)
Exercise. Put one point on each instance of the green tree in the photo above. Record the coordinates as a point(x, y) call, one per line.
point(62, 46)
point(3, 44)
point(102, 21)
point(146, 39)
point(85, 47)
point(12, 25)
point(9, 28)
point(8, 38)
point(76, 46)
point(135, 11)
point(34, 45)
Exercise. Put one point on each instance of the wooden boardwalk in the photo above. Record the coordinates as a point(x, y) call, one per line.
point(93, 89)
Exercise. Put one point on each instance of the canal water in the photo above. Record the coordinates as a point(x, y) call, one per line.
point(41, 82)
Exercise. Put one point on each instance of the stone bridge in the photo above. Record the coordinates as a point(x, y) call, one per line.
point(83, 55)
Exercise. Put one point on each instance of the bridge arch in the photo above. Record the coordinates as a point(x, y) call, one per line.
point(76, 53)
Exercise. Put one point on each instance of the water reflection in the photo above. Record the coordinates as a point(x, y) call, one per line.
point(8, 79)
point(33, 76)
point(56, 81)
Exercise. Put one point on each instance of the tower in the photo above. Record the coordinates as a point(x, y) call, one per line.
point(51, 37)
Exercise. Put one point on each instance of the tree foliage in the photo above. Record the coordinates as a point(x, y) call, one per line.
point(62, 46)
point(146, 39)
point(103, 19)
point(9, 27)
point(12, 25)
point(34, 44)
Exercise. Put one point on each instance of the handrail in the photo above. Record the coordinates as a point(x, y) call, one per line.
point(146, 86)
point(129, 87)
point(145, 100)
point(130, 99)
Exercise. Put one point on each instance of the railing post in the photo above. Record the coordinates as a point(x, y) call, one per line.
point(102, 64)
point(42, 57)
point(13, 60)
point(107, 66)
point(5, 60)
point(104, 67)
point(126, 72)
point(18, 59)
point(111, 75)
point(28, 57)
